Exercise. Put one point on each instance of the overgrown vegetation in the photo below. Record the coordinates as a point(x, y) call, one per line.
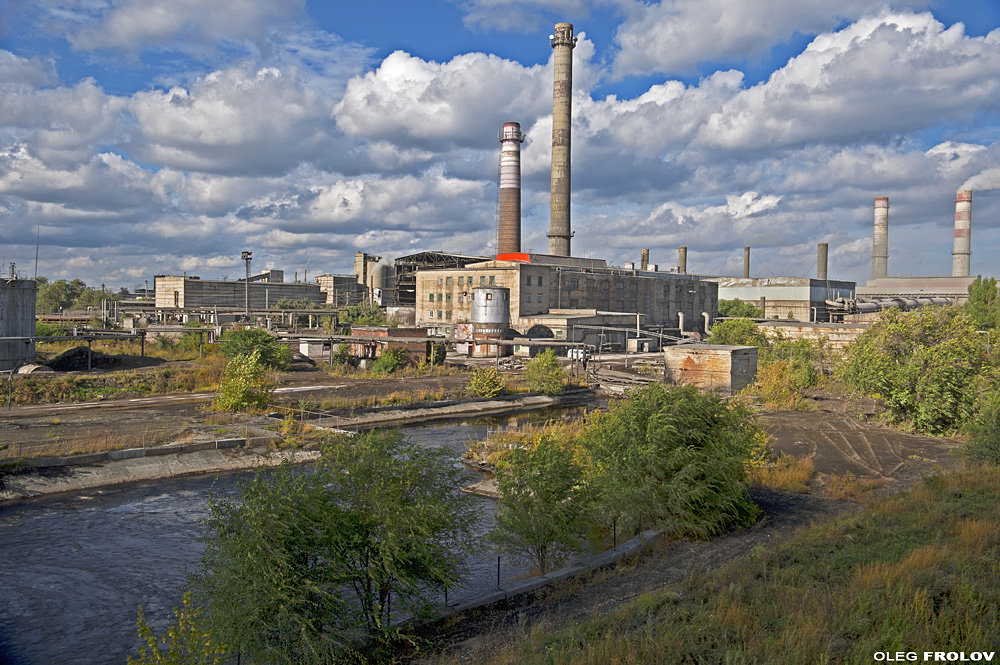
point(61, 294)
point(738, 332)
point(244, 341)
point(310, 566)
point(738, 309)
point(389, 361)
point(928, 366)
point(912, 572)
point(486, 382)
point(544, 374)
point(245, 386)
point(786, 473)
point(363, 314)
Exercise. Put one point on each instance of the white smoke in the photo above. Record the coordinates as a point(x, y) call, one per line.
point(988, 179)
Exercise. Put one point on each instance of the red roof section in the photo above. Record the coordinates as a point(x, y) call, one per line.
point(514, 256)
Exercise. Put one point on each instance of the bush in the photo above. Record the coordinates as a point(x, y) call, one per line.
point(243, 341)
point(486, 382)
point(45, 329)
point(245, 385)
point(739, 332)
point(544, 374)
point(438, 353)
point(342, 355)
point(363, 314)
point(927, 366)
point(739, 309)
point(983, 445)
point(390, 361)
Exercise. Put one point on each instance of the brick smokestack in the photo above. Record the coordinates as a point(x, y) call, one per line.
point(559, 234)
point(682, 259)
point(822, 254)
point(644, 259)
point(963, 234)
point(509, 220)
point(880, 239)
point(746, 262)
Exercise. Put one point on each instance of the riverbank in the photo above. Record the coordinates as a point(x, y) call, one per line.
point(43, 477)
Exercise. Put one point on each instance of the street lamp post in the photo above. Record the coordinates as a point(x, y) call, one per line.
point(247, 256)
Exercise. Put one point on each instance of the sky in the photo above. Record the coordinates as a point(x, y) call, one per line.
point(145, 137)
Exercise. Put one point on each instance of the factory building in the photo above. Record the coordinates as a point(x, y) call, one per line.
point(954, 288)
point(17, 319)
point(265, 290)
point(547, 293)
point(341, 290)
point(406, 267)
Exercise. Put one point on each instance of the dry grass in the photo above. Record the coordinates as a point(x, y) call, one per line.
point(492, 449)
point(59, 445)
point(849, 487)
point(786, 474)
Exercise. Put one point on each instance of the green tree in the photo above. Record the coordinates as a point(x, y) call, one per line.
point(928, 366)
point(389, 361)
point(675, 458)
point(486, 382)
point(739, 309)
point(544, 374)
point(243, 341)
point(983, 445)
point(57, 295)
point(185, 642)
point(739, 332)
point(245, 385)
point(983, 305)
point(542, 514)
point(305, 565)
point(363, 314)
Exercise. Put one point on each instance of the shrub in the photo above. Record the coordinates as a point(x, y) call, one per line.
point(438, 354)
point(390, 361)
point(486, 382)
point(544, 374)
point(363, 314)
point(983, 445)
point(739, 309)
point(243, 341)
point(245, 385)
point(740, 332)
point(342, 355)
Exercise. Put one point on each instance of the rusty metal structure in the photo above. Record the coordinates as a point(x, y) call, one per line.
point(559, 234)
point(880, 239)
point(963, 231)
point(509, 214)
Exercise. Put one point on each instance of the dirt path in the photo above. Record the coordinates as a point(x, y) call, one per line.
point(836, 442)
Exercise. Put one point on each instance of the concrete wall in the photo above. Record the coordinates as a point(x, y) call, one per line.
point(837, 336)
point(722, 369)
point(17, 319)
point(341, 290)
point(194, 293)
point(804, 297)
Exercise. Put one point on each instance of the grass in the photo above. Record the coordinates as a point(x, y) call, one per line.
point(849, 487)
point(202, 376)
point(49, 350)
point(492, 449)
point(918, 571)
point(786, 474)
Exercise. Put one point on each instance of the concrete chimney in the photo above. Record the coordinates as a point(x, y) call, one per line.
point(746, 262)
point(644, 260)
point(509, 220)
point(822, 253)
point(963, 233)
point(880, 239)
point(682, 260)
point(559, 234)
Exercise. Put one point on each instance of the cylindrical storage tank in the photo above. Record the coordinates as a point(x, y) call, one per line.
point(822, 252)
point(880, 239)
point(490, 320)
point(509, 222)
point(682, 260)
point(963, 233)
point(380, 281)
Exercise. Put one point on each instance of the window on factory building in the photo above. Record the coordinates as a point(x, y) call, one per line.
point(461, 280)
point(528, 281)
point(447, 315)
point(430, 313)
point(439, 281)
point(430, 297)
point(539, 281)
point(448, 281)
point(447, 297)
point(439, 314)
point(440, 297)
point(631, 287)
point(527, 298)
point(492, 280)
point(482, 279)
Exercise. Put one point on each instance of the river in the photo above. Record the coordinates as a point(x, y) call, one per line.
point(76, 566)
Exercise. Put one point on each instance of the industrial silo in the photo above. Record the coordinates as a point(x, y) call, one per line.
point(490, 321)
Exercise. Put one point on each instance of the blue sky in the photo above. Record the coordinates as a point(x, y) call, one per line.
point(143, 137)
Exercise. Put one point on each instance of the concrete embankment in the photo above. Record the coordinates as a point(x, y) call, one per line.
point(40, 477)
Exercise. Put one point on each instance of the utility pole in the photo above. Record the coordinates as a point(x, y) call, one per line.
point(247, 256)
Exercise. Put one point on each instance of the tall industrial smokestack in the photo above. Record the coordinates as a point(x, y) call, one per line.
point(644, 259)
point(963, 233)
point(509, 222)
point(822, 253)
point(682, 260)
point(559, 234)
point(880, 239)
point(746, 262)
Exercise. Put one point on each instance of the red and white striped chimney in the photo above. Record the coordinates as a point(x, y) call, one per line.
point(509, 219)
point(963, 232)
